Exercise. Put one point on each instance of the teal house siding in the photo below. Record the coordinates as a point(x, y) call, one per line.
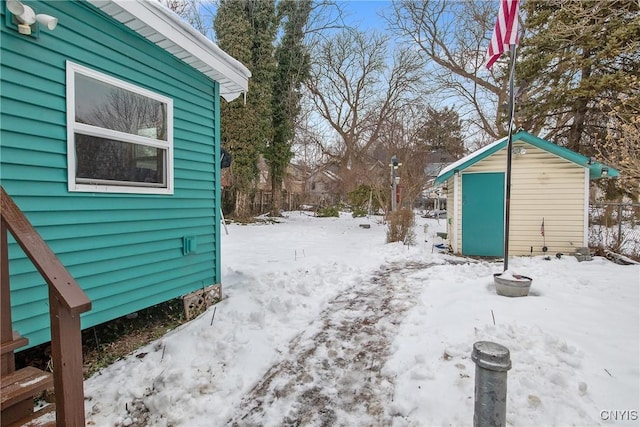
point(125, 250)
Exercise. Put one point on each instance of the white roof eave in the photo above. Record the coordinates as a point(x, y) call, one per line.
point(164, 28)
point(470, 156)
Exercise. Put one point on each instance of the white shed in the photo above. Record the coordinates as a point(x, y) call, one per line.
point(549, 200)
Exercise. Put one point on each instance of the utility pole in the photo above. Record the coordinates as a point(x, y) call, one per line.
point(395, 180)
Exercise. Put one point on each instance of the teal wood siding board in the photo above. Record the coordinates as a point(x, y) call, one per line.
point(119, 230)
point(184, 161)
point(95, 275)
point(34, 107)
point(24, 126)
point(43, 334)
point(125, 250)
point(34, 204)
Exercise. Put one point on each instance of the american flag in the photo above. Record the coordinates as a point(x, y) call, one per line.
point(505, 32)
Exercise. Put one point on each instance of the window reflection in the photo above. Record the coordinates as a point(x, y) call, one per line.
point(101, 104)
point(101, 159)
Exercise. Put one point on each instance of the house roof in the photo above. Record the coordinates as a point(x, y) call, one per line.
point(595, 168)
point(433, 169)
point(158, 24)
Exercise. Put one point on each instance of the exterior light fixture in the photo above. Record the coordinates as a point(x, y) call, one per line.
point(605, 171)
point(24, 16)
point(519, 151)
point(394, 162)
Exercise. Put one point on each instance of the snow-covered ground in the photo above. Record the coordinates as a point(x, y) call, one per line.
point(324, 324)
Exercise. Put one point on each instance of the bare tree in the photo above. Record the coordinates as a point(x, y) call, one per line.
point(355, 88)
point(400, 139)
point(622, 145)
point(198, 13)
point(572, 55)
point(420, 135)
point(452, 34)
point(310, 135)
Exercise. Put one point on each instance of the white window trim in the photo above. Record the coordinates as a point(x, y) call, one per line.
point(72, 127)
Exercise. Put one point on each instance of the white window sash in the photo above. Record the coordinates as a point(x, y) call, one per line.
point(109, 186)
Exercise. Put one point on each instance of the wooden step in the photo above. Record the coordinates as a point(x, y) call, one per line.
point(17, 342)
point(43, 417)
point(26, 382)
point(18, 390)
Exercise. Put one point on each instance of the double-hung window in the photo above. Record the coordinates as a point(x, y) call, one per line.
point(119, 136)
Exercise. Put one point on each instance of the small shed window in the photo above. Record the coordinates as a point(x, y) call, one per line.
point(119, 136)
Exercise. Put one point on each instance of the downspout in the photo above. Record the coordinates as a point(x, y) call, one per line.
point(456, 210)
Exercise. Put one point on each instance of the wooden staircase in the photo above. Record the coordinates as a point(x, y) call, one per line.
point(66, 302)
point(18, 390)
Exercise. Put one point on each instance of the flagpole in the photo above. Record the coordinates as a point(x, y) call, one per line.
point(509, 155)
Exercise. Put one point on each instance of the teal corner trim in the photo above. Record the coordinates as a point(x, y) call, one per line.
point(595, 168)
point(218, 185)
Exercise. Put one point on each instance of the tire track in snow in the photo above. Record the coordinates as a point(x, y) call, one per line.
point(332, 371)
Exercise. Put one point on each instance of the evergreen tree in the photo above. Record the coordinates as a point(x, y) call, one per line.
point(577, 60)
point(246, 29)
point(442, 133)
point(622, 145)
point(292, 68)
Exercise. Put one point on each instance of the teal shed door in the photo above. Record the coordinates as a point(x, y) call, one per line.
point(483, 214)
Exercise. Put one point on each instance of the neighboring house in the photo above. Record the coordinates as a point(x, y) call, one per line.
point(432, 195)
point(323, 185)
point(296, 178)
point(438, 160)
point(549, 185)
point(110, 144)
point(292, 182)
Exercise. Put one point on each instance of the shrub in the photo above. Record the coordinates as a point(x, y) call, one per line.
point(328, 211)
point(359, 198)
point(400, 227)
point(615, 227)
point(359, 212)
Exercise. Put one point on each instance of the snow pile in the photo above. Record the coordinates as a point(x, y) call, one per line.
point(323, 322)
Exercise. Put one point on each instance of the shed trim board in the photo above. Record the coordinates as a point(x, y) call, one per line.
point(585, 240)
point(127, 251)
point(595, 168)
point(483, 210)
point(456, 211)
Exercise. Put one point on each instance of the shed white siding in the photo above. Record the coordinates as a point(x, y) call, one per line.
point(543, 185)
point(450, 210)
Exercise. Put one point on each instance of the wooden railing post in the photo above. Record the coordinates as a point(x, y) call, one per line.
point(6, 329)
point(66, 302)
point(66, 352)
